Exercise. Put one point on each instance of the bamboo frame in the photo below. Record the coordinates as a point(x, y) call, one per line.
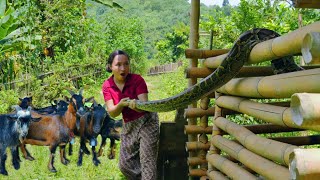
point(246, 71)
point(198, 112)
point(229, 168)
point(305, 108)
point(201, 53)
point(305, 164)
point(310, 48)
point(284, 45)
point(276, 86)
point(270, 149)
point(282, 116)
point(251, 160)
point(216, 175)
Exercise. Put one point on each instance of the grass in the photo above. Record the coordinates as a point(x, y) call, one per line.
point(160, 87)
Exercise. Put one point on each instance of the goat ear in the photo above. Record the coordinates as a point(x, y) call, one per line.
point(20, 99)
point(90, 99)
point(16, 107)
point(71, 92)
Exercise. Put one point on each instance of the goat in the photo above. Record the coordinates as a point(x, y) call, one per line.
point(60, 106)
point(110, 129)
point(89, 128)
point(55, 130)
point(14, 128)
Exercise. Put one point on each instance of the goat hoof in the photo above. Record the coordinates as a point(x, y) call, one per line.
point(79, 163)
point(16, 165)
point(4, 172)
point(111, 156)
point(30, 158)
point(96, 162)
point(53, 170)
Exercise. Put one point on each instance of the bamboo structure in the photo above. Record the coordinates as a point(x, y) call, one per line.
point(310, 48)
point(304, 164)
point(238, 149)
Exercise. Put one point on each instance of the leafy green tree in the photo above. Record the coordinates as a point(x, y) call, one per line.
point(225, 3)
point(173, 46)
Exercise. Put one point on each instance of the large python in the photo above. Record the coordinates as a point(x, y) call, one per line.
point(229, 68)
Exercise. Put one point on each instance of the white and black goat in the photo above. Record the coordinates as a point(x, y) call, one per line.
point(14, 128)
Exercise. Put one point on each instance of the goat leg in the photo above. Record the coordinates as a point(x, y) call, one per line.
point(25, 152)
point(79, 163)
point(70, 149)
point(51, 159)
point(95, 160)
point(103, 143)
point(63, 157)
point(112, 152)
point(3, 163)
point(15, 160)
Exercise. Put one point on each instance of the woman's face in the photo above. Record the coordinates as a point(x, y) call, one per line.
point(120, 67)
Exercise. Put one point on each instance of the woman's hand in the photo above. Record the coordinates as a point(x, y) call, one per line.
point(124, 102)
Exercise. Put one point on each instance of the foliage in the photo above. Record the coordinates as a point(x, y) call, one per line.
point(173, 46)
point(7, 98)
point(126, 34)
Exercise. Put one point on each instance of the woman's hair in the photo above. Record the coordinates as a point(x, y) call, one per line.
point(114, 54)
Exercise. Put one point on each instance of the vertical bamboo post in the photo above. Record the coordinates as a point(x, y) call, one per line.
point(193, 44)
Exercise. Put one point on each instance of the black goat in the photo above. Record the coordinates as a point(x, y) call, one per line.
point(110, 129)
point(89, 128)
point(14, 128)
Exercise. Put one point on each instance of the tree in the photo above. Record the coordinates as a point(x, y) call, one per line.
point(225, 3)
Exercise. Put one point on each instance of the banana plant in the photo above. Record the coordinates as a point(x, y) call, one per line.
point(109, 3)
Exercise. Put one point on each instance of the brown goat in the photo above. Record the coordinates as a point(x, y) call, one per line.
point(55, 130)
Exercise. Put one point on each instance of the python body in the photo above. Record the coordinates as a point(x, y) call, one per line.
point(229, 68)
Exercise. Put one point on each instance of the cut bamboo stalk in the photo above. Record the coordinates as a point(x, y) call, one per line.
point(253, 161)
point(229, 168)
point(305, 108)
point(216, 175)
point(195, 146)
point(247, 71)
point(204, 53)
point(299, 140)
point(305, 164)
point(282, 116)
point(197, 172)
point(311, 48)
point(270, 149)
point(277, 86)
point(284, 45)
point(198, 112)
point(194, 161)
point(256, 129)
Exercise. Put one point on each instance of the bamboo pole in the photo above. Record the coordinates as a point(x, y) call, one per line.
point(255, 128)
point(282, 116)
point(198, 112)
point(305, 108)
point(276, 86)
point(201, 53)
point(197, 172)
point(305, 164)
point(253, 161)
point(246, 71)
point(284, 45)
point(310, 48)
point(216, 175)
point(270, 149)
point(194, 161)
point(196, 146)
point(229, 168)
point(193, 62)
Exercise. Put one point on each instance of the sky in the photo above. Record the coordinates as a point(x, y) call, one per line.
point(218, 2)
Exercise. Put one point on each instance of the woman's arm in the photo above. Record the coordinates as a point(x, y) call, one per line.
point(115, 110)
point(141, 97)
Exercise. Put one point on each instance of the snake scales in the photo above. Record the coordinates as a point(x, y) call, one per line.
point(228, 69)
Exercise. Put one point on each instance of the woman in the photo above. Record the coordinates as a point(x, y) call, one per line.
point(140, 133)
